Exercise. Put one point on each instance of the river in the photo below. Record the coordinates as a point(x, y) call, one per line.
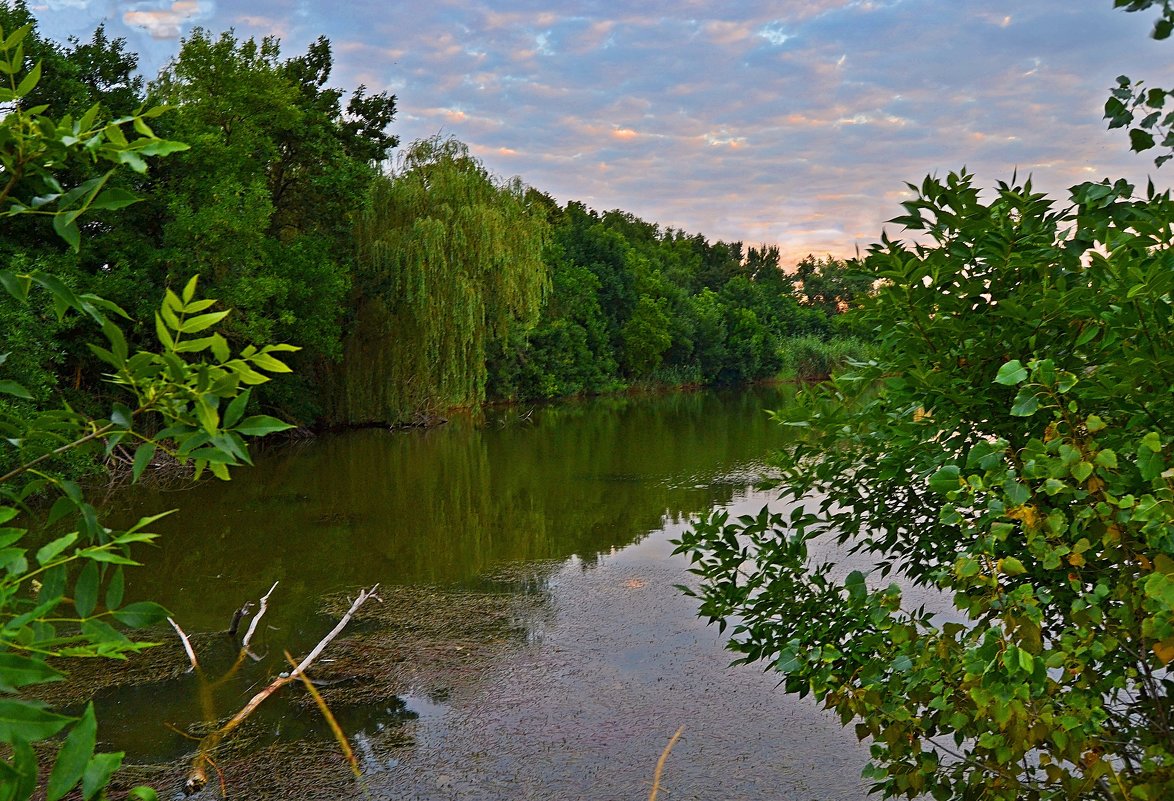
point(530, 642)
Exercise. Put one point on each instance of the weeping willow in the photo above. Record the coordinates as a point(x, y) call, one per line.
point(449, 256)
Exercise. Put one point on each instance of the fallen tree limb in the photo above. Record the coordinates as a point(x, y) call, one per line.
point(198, 775)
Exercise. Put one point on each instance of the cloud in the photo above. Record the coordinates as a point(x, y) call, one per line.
point(167, 21)
point(793, 122)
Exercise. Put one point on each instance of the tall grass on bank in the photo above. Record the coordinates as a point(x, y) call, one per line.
point(811, 358)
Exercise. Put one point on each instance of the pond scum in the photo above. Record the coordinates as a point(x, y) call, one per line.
point(426, 641)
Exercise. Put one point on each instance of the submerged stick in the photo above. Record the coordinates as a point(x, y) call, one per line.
point(339, 734)
point(187, 644)
point(198, 775)
point(664, 755)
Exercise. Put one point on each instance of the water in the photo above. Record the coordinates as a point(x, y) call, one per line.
point(531, 643)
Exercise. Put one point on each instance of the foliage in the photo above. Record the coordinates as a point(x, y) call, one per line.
point(812, 358)
point(62, 586)
point(1133, 104)
point(263, 205)
point(829, 284)
point(632, 304)
point(1007, 458)
point(449, 256)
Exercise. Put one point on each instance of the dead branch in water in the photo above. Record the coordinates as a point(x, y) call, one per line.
point(257, 619)
point(198, 775)
point(664, 755)
point(187, 645)
point(339, 734)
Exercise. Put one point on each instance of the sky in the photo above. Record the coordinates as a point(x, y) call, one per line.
point(795, 123)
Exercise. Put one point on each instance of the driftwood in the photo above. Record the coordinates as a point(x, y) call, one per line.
point(253, 624)
point(197, 776)
point(187, 644)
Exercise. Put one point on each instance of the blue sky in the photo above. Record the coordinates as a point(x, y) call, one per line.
point(792, 122)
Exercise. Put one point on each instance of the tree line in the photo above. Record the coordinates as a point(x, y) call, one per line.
point(412, 279)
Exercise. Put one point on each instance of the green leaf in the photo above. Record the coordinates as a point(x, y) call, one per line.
point(1026, 403)
point(162, 333)
point(74, 755)
point(1094, 423)
point(162, 147)
point(1016, 493)
point(261, 424)
point(220, 348)
point(107, 556)
point(1107, 458)
point(129, 157)
point(267, 362)
point(28, 720)
point(1081, 471)
point(1011, 566)
point(115, 588)
point(1011, 373)
point(143, 455)
point(85, 589)
point(1140, 140)
point(30, 81)
point(1149, 463)
point(142, 613)
point(67, 229)
point(52, 550)
point(98, 772)
point(1026, 661)
point(236, 408)
point(946, 479)
point(189, 289)
point(114, 198)
point(17, 670)
point(12, 388)
point(206, 412)
point(18, 779)
point(198, 323)
point(17, 286)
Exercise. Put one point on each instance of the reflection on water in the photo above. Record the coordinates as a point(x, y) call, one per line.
point(442, 507)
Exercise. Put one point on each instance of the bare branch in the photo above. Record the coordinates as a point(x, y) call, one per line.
point(257, 619)
point(187, 644)
point(198, 775)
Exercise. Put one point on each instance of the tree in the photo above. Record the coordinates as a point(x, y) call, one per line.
point(1132, 104)
point(829, 285)
point(449, 256)
point(1010, 455)
point(645, 336)
point(60, 594)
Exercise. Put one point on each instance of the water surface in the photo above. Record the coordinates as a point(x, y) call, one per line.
point(533, 643)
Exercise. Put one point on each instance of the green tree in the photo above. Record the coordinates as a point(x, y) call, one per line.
point(449, 257)
point(61, 592)
point(829, 285)
point(1143, 110)
point(262, 206)
point(1010, 455)
point(645, 336)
